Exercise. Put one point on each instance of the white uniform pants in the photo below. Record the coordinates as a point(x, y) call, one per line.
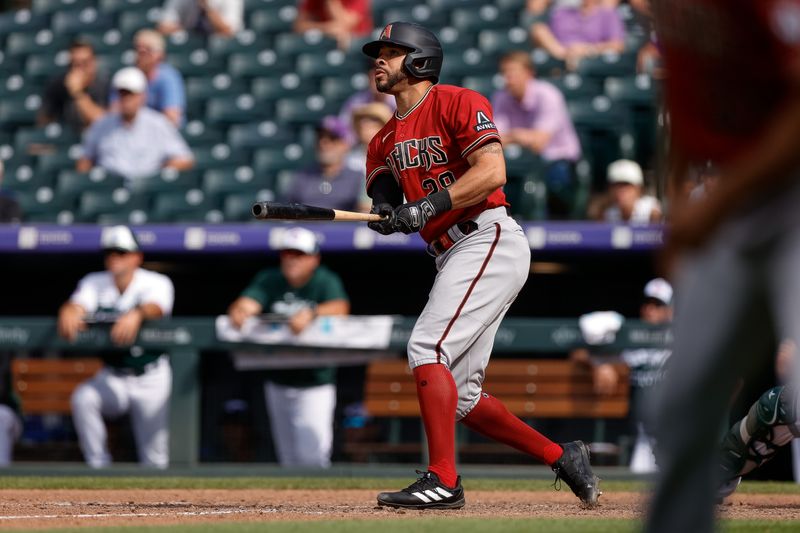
point(10, 430)
point(301, 419)
point(110, 395)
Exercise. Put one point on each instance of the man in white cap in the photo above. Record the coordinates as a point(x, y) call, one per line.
point(626, 201)
point(134, 141)
point(133, 380)
point(300, 402)
point(646, 370)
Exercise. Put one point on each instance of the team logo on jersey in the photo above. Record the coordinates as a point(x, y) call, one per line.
point(413, 153)
point(483, 122)
point(387, 32)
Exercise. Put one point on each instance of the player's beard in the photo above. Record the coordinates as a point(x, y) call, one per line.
point(390, 81)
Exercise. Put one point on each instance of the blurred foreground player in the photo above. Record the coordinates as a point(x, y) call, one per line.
point(733, 94)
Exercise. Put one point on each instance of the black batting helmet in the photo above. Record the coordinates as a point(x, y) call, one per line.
point(425, 48)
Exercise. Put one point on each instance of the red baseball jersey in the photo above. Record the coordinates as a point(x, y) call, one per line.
point(319, 11)
point(728, 64)
point(426, 149)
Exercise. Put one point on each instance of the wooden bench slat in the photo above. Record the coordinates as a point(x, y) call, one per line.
point(409, 388)
point(44, 406)
point(545, 408)
point(46, 385)
point(27, 388)
point(56, 366)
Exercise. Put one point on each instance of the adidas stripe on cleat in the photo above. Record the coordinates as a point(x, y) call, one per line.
point(425, 493)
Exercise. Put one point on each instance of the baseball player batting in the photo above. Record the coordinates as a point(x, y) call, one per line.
point(442, 151)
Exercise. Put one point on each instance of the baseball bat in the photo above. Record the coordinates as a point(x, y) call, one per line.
point(281, 211)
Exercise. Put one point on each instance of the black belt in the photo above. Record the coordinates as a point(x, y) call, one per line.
point(447, 239)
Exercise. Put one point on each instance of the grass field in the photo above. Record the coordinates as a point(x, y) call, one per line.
point(56, 493)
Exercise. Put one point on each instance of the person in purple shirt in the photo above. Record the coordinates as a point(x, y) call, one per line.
point(165, 89)
point(579, 29)
point(329, 182)
point(533, 114)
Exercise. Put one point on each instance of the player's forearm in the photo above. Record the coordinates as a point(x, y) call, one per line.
point(180, 163)
point(149, 311)
point(218, 23)
point(486, 174)
point(87, 108)
point(334, 307)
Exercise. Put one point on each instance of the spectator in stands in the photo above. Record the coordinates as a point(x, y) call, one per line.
point(165, 89)
point(135, 141)
point(10, 421)
point(579, 29)
point(133, 380)
point(10, 210)
point(300, 402)
point(340, 19)
point(365, 96)
point(78, 97)
point(533, 114)
point(207, 17)
point(368, 120)
point(625, 200)
point(646, 366)
point(329, 182)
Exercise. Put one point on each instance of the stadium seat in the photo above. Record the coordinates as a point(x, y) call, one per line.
point(265, 134)
point(133, 216)
point(635, 90)
point(73, 183)
point(331, 63)
point(205, 215)
point(183, 43)
point(22, 20)
point(420, 13)
point(471, 62)
point(218, 156)
point(130, 22)
point(271, 88)
point(55, 6)
point(272, 20)
point(222, 182)
point(598, 112)
point(198, 134)
point(58, 161)
point(73, 21)
point(270, 161)
point(639, 94)
point(109, 42)
point(119, 6)
point(472, 20)
point(234, 110)
point(575, 87)
point(251, 5)
point(168, 180)
point(167, 206)
point(338, 88)
point(17, 87)
point(455, 41)
point(303, 110)
point(42, 67)
point(525, 188)
point(238, 206)
point(608, 65)
point(18, 111)
point(254, 64)
point(20, 175)
point(9, 66)
point(497, 42)
point(37, 140)
point(214, 86)
point(197, 62)
point(244, 41)
point(44, 200)
point(92, 204)
point(40, 42)
point(486, 85)
point(293, 44)
point(449, 5)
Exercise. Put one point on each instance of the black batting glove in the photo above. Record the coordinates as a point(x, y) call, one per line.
point(385, 226)
point(412, 217)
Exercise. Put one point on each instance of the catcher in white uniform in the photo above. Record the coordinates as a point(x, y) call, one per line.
point(134, 380)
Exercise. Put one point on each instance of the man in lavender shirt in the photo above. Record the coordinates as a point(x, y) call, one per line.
point(533, 114)
point(578, 29)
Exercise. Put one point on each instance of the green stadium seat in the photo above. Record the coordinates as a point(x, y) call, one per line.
point(222, 182)
point(236, 207)
point(473, 20)
point(640, 95)
point(270, 161)
point(206, 215)
point(129, 22)
point(110, 42)
point(244, 41)
point(17, 87)
point(339, 88)
point(133, 216)
point(575, 87)
point(93, 204)
point(271, 88)
point(546, 65)
point(18, 111)
point(450, 5)
point(218, 156)
point(168, 206)
point(22, 20)
point(511, 5)
point(214, 86)
point(293, 44)
point(331, 63)
point(183, 43)
point(608, 65)
point(455, 41)
point(42, 67)
point(525, 187)
point(486, 85)
point(197, 62)
point(598, 112)
point(45, 200)
point(9, 66)
point(265, 134)
point(40, 42)
point(304, 110)
point(272, 20)
point(55, 6)
point(251, 5)
point(255, 64)
point(471, 62)
point(632, 90)
point(497, 42)
point(234, 110)
point(198, 134)
point(120, 6)
point(44, 139)
point(168, 180)
point(21, 176)
point(73, 183)
point(420, 13)
point(58, 161)
point(73, 21)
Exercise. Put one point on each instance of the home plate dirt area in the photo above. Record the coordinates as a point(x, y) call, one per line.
point(70, 508)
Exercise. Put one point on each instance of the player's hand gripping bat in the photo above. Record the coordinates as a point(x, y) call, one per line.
point(282, 211)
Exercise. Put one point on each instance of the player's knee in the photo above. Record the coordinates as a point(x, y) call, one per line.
point(6, 419)
point(466, 402)
point(84, 397)
point(775, 407)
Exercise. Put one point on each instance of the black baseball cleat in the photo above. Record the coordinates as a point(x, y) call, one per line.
point(425, 493)
point(574, 468)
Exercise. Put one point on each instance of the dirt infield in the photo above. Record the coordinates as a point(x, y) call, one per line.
point(70, 508)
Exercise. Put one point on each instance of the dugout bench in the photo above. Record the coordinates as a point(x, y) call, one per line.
point(529, 388)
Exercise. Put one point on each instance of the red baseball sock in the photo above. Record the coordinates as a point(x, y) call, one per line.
point(438, 398)
point(492, 419)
